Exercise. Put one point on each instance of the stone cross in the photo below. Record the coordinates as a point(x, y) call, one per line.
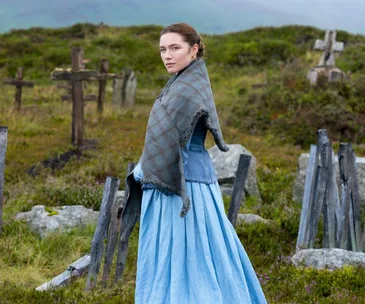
point(329, 46)
point(124, 89)
point(18, 82)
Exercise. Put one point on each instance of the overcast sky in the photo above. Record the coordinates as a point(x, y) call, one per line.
point(209, 16)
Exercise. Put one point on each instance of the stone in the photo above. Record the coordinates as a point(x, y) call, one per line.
point(298, 188)
point(45, 220)
point(331, 74)
point(124, 89)
point(225, 165)
point(250, 219)
point(328, 258)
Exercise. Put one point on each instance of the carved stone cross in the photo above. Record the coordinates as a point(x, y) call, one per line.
point(329, 46)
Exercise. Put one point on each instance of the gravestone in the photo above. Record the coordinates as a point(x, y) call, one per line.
point(124, 89)
point(326, 65)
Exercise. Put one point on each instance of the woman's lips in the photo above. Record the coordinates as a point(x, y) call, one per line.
point(169, 64)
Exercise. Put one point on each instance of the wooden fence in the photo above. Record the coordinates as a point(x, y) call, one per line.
point(341, 213)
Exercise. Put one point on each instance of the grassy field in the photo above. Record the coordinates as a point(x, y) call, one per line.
point(276, 124)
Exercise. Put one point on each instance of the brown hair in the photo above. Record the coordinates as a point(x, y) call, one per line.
point(188, 33)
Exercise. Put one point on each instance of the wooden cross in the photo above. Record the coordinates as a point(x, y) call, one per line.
point(102, 84)
point(18, 82)
point(76, 75)
point(329, 46)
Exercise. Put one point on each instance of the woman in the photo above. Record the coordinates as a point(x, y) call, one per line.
point(188, 250)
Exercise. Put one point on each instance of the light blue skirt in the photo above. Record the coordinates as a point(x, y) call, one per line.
point(197, 259)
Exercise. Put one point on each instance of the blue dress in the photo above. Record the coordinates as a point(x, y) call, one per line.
point(197, 259)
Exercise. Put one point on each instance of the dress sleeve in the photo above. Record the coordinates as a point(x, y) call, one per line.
point(185, 152)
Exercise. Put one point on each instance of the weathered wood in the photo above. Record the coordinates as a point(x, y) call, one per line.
point(238, 187)
point(77, 99)
point(76, 269)
point(86, 97)
point(104, 67)
point(123, 244)
point(302, 241)
point(112, 240)
point(3, 145)
point(259, 85)
point(329, 216)
point(350, 199)
point(97, 246)
point(325, 154)
point(18, 82)
point(78, 75)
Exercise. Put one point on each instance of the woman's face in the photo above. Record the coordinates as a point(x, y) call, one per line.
point(176, 53)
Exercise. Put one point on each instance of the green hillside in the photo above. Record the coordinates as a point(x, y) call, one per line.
point(276, 124)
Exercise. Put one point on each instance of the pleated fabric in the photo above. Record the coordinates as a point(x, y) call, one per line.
point(197, 259)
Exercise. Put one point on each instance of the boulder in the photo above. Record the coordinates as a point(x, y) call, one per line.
point(225, 165)
point(328, 258)
point(44, 220)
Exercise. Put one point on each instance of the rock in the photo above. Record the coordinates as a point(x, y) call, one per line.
point(331, 74)
point(44, 220)
point(225, 165)
point(298, 188)
point(329, 258)
point(124, 89)
point(119, 199)
point(250, 219)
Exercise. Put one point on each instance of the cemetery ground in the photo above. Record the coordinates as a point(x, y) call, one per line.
point(262, 121)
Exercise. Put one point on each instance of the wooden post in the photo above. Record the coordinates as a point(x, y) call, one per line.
point(97, 247)
point(307, 205)
point(329, 207)
point(123, 245)
point(3, 145)
point(238, 187)
point(325, 152)
point(350, 199)
point(77, 99)
point(76, 269)
point(112, 241)
point(18, 82)
point(104, 67)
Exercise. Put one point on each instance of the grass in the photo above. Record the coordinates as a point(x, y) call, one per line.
point(258, 120)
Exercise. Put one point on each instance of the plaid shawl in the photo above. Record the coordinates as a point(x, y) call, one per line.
point(186, 98)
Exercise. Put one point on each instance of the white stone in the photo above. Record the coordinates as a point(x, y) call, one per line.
point(329, 258)
point(250, 219)
point(67, 217)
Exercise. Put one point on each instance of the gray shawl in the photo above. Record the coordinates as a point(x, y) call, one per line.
point(171, 123)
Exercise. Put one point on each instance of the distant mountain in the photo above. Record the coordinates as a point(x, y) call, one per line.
point(208, 16)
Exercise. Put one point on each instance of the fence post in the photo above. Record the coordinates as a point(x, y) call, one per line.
point(350, 200)
point(238, 187)
point(302, 241)
point(123, 245)
point(3, 145)
point(325, 152)
point(97, 247)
